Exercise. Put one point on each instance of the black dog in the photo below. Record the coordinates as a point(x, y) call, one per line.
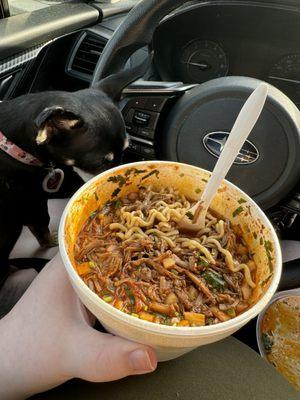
point(84, 129)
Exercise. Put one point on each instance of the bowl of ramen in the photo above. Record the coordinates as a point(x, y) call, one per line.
point(147, 281)
point(278, 334)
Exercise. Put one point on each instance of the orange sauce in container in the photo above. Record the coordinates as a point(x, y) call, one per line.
point(279, 335)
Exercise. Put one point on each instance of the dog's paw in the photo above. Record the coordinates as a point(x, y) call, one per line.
point(51, 242)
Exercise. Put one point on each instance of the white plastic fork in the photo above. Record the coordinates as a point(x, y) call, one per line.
point(242, 128)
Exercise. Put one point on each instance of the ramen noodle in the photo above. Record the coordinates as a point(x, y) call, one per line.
point(132, 254)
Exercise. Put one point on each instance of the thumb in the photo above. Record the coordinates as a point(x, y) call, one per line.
point(100, 357)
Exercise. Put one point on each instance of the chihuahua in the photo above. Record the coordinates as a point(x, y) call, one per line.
point(50, 132)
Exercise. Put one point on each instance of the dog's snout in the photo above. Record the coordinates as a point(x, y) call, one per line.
point(126, 143)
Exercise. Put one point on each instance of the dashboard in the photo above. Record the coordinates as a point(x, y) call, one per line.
point(216, 39)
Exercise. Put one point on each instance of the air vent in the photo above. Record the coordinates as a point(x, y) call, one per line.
point(86, 56)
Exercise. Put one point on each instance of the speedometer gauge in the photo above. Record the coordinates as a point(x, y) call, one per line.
point(287, 69)
point(201, 61)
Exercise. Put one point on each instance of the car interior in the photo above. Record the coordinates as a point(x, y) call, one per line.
point(207, 58)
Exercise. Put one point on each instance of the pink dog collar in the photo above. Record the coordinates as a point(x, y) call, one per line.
point(17, 153)
point(52, 181)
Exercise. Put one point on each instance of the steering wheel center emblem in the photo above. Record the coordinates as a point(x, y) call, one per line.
point(214, 143)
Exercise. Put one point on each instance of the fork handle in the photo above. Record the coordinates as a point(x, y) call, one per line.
point(242, 128)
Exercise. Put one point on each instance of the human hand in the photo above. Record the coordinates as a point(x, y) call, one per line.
point(48, 339)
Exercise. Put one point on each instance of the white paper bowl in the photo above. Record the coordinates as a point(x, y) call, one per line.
point(168, 341)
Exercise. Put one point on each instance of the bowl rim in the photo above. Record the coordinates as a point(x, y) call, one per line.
point(278, 296)
point(159, 328)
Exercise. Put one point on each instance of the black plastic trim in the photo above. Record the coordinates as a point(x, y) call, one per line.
point(30, 29)
point(109, 10)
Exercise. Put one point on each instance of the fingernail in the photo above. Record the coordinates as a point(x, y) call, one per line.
point(141, 361)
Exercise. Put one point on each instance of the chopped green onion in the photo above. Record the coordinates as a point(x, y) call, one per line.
point(92, 264)
point(268, 245)
point(189, 215)
point(204, 180)
point(130, 295)
point(154, 172)
point(116, 192)
point(269, 248)
point(118, 204)
point(108, 299)
point(118, 179)
point(128, 172)
point(202, 262)
point(237, 211)
point(174, 271)
point(231, 312)
point(241, 201)
point(198, 190)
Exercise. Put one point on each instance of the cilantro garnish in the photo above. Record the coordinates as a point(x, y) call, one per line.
point(214, 280)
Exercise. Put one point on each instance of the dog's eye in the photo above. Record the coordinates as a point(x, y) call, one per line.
point(70, 162)
point(109, 156)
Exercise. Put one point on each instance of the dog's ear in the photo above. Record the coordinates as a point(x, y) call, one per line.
point(54, 120)
point(114, 84)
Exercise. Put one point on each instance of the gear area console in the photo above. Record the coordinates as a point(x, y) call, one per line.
point(144, 107)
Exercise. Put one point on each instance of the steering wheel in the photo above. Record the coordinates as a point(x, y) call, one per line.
point(197, 118)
